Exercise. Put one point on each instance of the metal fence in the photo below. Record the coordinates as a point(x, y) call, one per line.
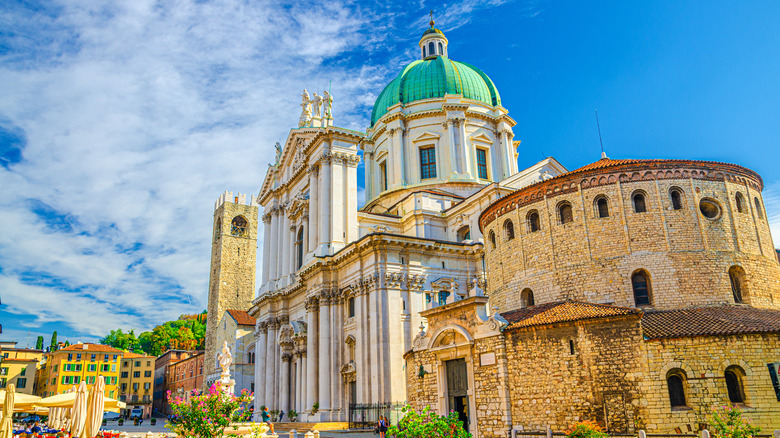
point(366, 416)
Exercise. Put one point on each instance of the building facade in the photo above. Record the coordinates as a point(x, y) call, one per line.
point(237, 329)
point(164, 377)
point(136, 380)
point(636, 293)
point(184, 377)
point(70, 365)
point(342, 288)
point(18, 366)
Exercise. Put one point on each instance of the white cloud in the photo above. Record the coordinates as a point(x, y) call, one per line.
point(137, 115)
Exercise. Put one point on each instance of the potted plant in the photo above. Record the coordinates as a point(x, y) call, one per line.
point(153, 421)
point(315, 408)
point(274, 415)
point(293, 414)
point(121, 422)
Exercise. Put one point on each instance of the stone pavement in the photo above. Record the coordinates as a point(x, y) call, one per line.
point(141, 430)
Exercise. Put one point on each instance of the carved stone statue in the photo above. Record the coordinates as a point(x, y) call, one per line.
point(278, 152)
point(305, 109)
point(317, 103)
point(327, 101)
point(225, 359)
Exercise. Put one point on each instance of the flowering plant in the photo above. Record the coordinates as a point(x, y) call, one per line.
point(206, 415)
point(585, 429)
point(428, 424)
point(727, 422)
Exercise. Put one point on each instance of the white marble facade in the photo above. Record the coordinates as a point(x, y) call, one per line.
point(342, 287)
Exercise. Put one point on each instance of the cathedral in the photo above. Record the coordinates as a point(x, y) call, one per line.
point(622, 292)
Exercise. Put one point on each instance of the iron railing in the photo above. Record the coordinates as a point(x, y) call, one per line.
point(366, 416)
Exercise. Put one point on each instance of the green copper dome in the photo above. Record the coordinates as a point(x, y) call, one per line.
point(435, 77)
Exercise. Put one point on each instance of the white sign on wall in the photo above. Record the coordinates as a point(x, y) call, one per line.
point(487, 359)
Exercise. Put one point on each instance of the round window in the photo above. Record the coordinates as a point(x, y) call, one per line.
point(709, 208)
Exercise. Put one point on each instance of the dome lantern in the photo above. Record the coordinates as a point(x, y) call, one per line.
point(433, 42)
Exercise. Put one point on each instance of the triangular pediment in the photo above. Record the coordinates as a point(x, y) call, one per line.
point(481, 138)
point(427, 136)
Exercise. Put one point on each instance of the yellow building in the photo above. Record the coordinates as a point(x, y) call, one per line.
point(136, 380)
point(17, 366)
point(69, 366)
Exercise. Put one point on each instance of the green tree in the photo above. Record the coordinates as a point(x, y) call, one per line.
point(39, 343)
point(123, 341)
point(67, 343)
point(53, 344)
point(727, 422)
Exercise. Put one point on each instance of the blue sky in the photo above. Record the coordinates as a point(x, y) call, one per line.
point(121, 122)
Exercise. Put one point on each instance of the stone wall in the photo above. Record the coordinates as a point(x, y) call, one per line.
point(686, 255)
point(704, 360)
point(550, 386)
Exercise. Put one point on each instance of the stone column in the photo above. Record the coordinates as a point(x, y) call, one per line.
point(368, 159)
point(314, 197)
point(273, 251)
point(325, 351)
point(360, 358)
point(338, 201)
point(284, 267)
point(312, 353)
point(284, 390)
point(450, 126)
point(376, 177)
point(266, 247)
point(270, 362)
point(511, 163)
point(351, 196)
point(304, 384)
point(324, 217)
point(335, 350)
point(409, 176)
point(260, 366)
point(293, 266)
point(465, 150)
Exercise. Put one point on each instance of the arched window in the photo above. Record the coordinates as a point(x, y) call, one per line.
point(533, 221)
point(299, 247)
point(218, 229)
point(602, 207)
point(492, 237)
point(734, 375)
point(464, 233)
point(759, 212)
point(640, 283)
point(423, 51)
point(639, 202)
point(431, 49)
point(239, 226)
point(526, 298)
point(740, 201)
point(676, 195)
point(441, 49)
point(509, 230)
point(675, 380)
point(737, 277)
point(565, 213)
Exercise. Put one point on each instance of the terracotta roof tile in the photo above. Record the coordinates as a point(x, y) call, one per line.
point(91, 347)
point(563, 311)
point(709, 321)
point(131, 355)
point(242, 317)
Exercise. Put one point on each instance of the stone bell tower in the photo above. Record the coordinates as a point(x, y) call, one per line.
point(233, 260)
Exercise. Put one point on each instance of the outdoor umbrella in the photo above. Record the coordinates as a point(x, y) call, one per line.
point(95, 407)
point(22, 402)
point(53, 417)
point(67, 400)
point(7, 425)
point(79, 412)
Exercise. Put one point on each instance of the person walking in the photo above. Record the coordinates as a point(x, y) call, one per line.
point(382, 426)
point(267, 418)
point(281, 414)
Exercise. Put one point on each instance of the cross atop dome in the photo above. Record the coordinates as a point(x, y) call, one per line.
point(433, 42)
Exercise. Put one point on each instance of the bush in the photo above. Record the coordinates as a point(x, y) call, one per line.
point(727, 422)
point(585, 429)
point(428, 424)
point(207, 415)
